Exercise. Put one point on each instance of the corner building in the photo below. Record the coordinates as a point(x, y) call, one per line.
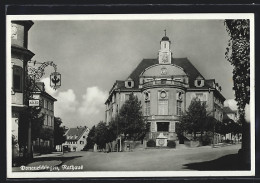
point(20, 55)
point(165, 86)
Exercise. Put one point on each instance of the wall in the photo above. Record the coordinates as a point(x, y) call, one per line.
point(18, 35)
point(172, 101)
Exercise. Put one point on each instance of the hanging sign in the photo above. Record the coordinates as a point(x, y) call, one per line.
point(55, 80)
point(34, 103)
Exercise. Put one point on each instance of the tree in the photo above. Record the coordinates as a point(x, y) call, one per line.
point(34, 116)
point(102, 135)
point(91, 138)
point(131, 121)
point(238, 54)
point(195, 119)
point(59, 132)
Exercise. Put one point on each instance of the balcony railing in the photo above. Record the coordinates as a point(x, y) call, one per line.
point(164, 83)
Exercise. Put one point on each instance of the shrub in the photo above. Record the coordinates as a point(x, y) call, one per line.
point(205, 140)
point(171, 144)
point(151, 143)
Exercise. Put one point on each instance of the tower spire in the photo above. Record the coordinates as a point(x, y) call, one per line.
point(164, 32)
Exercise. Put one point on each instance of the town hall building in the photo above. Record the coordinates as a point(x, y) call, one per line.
point(165, 86)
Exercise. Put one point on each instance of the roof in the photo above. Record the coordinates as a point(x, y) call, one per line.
point(75, 133)
point(27, 23)
point(21, 50)
point(184, 63)
point(40, 88)
point(228, 110)
point(165, 38)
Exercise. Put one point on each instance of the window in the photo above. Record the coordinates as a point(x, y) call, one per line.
point(44, 103)
point(201, 97)
point(163, 81)
point(45, 120)
point(179, 107)
point(163, 103)
point(147, 107)
point(50, 121)
point(163, 107)
point(162, 126)
point(81, 142)
point(49, 106)
point(17, 78)
point(127, 97)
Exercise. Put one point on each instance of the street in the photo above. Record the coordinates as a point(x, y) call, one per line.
point(201, 158)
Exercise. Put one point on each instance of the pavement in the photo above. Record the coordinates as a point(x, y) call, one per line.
point(147, 159)
point(46, 161)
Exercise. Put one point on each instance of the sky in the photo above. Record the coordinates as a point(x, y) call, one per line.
point(92, 54)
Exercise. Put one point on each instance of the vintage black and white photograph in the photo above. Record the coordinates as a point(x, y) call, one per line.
point(130, 95)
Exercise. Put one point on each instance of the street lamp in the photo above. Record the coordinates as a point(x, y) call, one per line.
point(34, 74)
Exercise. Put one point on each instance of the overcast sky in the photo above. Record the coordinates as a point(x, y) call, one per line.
point(92, 54)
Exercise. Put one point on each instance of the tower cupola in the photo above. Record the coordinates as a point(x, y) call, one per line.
point(165, 52)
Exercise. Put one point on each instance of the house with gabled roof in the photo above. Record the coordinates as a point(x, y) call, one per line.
point(76, 138)
point(165, 86)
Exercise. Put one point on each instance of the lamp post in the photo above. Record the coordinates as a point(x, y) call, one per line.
point(34, 74)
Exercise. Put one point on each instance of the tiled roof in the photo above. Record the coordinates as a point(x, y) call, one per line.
point(75, 133)
point(40, 87)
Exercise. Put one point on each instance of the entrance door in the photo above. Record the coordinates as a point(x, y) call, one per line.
point(163, 126)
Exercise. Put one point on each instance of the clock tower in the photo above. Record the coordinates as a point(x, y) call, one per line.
point(165, 52)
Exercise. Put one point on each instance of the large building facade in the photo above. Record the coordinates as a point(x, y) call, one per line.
point(165, 86)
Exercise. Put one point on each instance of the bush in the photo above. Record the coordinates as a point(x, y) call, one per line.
point(205, 140)
point(151, 143)
point(171, 144)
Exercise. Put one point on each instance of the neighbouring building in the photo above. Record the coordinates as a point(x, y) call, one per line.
point(45, 144)
point(165, 86)
point(233, 116)
point(20, 55)
point(76, 139)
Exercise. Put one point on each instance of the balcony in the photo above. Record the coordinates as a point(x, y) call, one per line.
point(163, 83)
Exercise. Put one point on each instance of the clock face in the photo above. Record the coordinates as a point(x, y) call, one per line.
point(165, 57)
